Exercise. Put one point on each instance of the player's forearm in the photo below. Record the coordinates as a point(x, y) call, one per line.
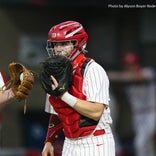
point(89, 109)
point(5, 96)
point(85, 108)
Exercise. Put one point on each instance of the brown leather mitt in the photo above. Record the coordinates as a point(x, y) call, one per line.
point(21, 80)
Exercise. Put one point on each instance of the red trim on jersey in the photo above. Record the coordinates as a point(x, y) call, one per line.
point(4, 76)
point(54, 129)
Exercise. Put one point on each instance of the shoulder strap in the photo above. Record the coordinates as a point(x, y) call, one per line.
point(84, 65)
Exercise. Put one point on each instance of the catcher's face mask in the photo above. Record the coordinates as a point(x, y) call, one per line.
point(60, 48)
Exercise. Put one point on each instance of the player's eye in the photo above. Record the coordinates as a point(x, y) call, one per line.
point(61, 43)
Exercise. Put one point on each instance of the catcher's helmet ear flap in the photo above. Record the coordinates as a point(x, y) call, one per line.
point(130, 58)
point(69, 31)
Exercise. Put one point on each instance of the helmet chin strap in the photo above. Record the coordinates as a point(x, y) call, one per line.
point(75, 55)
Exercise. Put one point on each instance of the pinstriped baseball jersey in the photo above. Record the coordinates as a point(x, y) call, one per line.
point(1, 80)
point(48, 106)
point(96, 89)
point(102, 145)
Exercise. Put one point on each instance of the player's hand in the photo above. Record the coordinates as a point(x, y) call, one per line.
point(55, 83)
point(48, 149)
point(56, 75)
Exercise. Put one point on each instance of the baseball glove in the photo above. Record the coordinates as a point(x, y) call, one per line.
point(60, 67)
point(21, 80)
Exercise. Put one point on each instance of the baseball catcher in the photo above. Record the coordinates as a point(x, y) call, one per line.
point(81, 107)
point(60, 68)
point(20, 82)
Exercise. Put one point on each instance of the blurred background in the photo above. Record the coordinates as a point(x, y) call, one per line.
point(24, 25)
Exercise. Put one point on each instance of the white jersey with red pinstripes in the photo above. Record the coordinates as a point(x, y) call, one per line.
point(96, 89)
point(1, 80)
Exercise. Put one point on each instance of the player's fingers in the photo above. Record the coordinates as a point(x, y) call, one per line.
point(55, 83)
point(48, 150)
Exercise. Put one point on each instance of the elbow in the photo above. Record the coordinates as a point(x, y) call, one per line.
point(97, 115)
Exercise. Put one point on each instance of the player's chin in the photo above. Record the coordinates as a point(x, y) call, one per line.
point(66, 54)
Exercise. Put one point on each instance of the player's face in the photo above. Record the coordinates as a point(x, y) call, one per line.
point(63, 48)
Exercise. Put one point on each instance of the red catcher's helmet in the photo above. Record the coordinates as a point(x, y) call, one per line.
point(130, 58)
point(68, 31)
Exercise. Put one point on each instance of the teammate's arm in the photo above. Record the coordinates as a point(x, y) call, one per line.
point(5, 96)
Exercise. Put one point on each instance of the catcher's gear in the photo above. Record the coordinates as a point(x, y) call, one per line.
point(21, 80)
point(54, 129)
point(60, 68)
point(68, 31)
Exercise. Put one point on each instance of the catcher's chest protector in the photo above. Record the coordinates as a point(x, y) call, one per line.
point(74, 124)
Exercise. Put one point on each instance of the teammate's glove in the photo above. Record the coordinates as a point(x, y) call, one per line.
point(61, 69)
point(21, 80)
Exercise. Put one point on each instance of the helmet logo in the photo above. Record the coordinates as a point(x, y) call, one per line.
point(53, 35)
